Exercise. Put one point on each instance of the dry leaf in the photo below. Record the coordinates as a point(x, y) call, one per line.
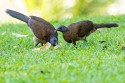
point(44, 47)
point(19, 35)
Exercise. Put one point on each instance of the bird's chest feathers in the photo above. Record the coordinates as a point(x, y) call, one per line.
point(70, 36)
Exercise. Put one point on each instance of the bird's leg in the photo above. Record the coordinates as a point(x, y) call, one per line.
point(41, 44)
point(75, 46)
point(74, 43)
point(36, 43)
point(85, 40)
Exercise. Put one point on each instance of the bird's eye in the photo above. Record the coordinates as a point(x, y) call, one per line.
point(60, 28)
point(55, 40)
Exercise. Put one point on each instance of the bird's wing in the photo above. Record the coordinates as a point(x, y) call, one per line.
point(84, 28)
point(41, 20)
point(40, 29)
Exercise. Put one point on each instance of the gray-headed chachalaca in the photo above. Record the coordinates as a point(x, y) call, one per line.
point(43, 31)
point(80, 30)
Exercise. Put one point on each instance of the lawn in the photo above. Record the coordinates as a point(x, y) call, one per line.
point(88, 62)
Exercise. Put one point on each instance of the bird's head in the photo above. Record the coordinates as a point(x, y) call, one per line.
point(53, 40)
point(62, 29)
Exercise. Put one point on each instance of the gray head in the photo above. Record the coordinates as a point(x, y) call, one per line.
point(53, 40)
point(62, 29)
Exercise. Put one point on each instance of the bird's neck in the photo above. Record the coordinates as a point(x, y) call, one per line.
point(66, 31)
point(52, 37)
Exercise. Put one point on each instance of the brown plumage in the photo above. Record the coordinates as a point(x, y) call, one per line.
point(43, 31)
point(80, 30)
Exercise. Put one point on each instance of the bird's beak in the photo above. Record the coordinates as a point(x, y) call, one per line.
point(57, 30)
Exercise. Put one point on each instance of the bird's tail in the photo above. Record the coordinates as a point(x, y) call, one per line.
point(17, 15)
point(109, 25)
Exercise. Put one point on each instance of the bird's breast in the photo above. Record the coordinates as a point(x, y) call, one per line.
point(70, 36)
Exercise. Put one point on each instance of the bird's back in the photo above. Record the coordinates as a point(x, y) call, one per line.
point(78, 30)
point(44, 22)
point(84, 28)
point(41, 28)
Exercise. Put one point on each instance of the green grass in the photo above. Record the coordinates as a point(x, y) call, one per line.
point(88, 63)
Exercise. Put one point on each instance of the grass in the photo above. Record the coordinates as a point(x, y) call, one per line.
point(88, 63)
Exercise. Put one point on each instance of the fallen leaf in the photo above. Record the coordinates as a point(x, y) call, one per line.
point(44, 47)
point(19, 35)
point(101, 31)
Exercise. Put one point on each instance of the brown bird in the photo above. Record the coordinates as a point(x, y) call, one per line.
point(80, 30)
point(43, 31)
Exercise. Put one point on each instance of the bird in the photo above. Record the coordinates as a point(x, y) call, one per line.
point(80, 30)
point(43, 30)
